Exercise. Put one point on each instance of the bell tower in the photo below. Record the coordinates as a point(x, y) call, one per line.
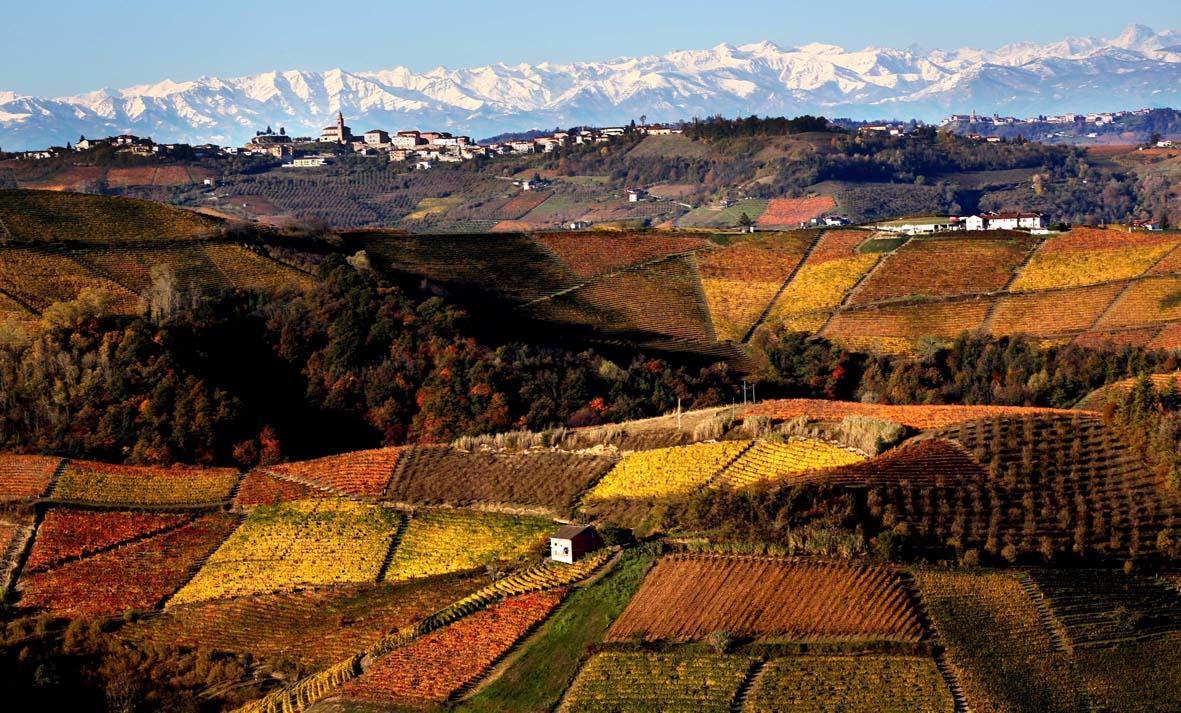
point(340, 127)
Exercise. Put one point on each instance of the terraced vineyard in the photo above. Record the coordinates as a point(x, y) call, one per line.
point(315, 628)
point(50, 216)
point(769, 460)
point(897, 326)
point(97, 483)
point(662, 301)
point(1169, 337)
point(685, 598)
point(138, 575)
point(592, 254)
point(25, 477)
point(1138, 675)
point(511, 265)
point(1145, 302)
point(440, 664)
point(923, 463)
point(819, 288)
point(741, 279)
point(442, 541)
point(676, 683)
point(38, 278)
point(1045, 314)
point(1086, 256)
point(307, 542)
point(937, 267)
point(664, 472)
point(66, 534)
point(793, 212)
point(433, 475)
point(363, 473)
point(853, 684)
point(259, 488)
point(1100, 607)
point(1002, 654)
point(920, 417)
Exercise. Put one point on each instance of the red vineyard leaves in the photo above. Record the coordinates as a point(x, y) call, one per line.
point(790, 212)
point(136, 576)
point(259, 488)
point(436, 666)
point(68, 534)
point(24, 477)
point(364, 473)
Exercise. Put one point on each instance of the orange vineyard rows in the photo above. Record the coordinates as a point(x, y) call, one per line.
point(595, 253)
point(25, 477)
point(68, 534)
point(435, 667)
point(685, 598)
point(365, 473)
point(920, 417)
point(791, 212)
point(139, 575)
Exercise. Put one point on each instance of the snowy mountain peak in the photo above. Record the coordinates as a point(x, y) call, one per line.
point(1138, 67)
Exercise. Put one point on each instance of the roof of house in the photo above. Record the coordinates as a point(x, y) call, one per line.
point(1011, 215)
point(569, 532)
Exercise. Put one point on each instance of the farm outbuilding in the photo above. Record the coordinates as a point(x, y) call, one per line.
point(571, 542)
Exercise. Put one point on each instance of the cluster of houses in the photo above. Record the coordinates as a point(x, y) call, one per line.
point(1094, 118)
point(1059, 126)
point(424, 148)
point(1032, 222)
point(128, 144)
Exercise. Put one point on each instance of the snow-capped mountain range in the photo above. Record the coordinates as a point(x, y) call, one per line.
point(1137, 68)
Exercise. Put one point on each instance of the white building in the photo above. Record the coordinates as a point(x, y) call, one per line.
point(406, 140)
point(309, 162)
point(921, 226)
point(1005, 221)
point(571, 542)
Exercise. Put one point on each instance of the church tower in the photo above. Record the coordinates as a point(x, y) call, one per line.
point(340, 127)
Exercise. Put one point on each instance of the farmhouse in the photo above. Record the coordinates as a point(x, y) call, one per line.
point(1145, 225)
point(310, 162)
point(635, 195)
point(85, 144)
point(1005, 221)
point(921, 226)
point(571, 542)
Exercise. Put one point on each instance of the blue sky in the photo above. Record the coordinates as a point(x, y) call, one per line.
point(72, 46)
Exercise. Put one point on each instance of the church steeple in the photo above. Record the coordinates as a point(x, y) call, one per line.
point(340, 127)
